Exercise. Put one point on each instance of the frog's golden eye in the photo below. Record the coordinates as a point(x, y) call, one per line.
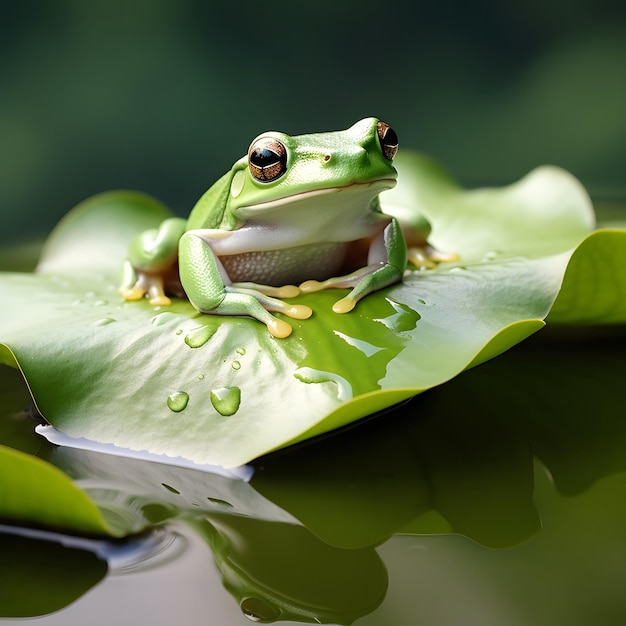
point(388, 140)
point(267, 159)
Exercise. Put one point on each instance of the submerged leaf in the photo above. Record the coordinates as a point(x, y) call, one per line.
point(221, 390)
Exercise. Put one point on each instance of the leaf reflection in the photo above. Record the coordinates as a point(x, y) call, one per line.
point(457, 459)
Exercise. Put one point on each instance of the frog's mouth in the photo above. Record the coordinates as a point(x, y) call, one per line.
point(366, 190)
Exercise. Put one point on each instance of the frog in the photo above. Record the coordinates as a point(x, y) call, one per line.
point(295, 215)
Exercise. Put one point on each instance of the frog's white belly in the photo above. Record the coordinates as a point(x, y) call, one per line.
point(288, 265)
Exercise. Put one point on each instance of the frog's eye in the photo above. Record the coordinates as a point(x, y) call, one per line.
point(388, 140)
point(267, 159)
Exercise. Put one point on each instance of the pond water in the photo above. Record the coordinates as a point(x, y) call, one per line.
point(499, 498)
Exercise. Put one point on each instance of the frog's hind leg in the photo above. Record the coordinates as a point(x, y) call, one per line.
point(427, 257)
point(152, 258)
point(136, 284)
point(210, 291)
point(420, 252)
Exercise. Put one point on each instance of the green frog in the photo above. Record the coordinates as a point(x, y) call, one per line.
point(295, 215)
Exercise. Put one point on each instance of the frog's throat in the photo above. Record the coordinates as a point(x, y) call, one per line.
point(376, 186)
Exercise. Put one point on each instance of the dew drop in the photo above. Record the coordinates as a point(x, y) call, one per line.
point(491, 255)
point(236, 365)
point(104, 321)
point(162, 318)
point(200, 376)
point(309, 376)
point(177, 401)
point(241, 351)
point(170, 488)
point(226, 400)
point(179, 331)
point(198, 337)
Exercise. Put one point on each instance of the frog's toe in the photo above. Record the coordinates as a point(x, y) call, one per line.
point(132, 293)
point(278, 328)
point(160, 300)
point(309, 286)
point(428, 257)
point(419, 258)
point(442, 257)
point(345, 305)
point(286, 291)
point(298, 311)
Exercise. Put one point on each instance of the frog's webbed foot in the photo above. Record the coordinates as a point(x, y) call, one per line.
point(137, 284)
point(269, 303)
point(363, 282)
point(427, 257)
point(246, 301)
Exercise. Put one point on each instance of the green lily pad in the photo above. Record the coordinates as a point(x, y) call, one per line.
point(34, 491)
point(221, 390)
point(594, 287)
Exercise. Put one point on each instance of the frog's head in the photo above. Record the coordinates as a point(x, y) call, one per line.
point(282, 170)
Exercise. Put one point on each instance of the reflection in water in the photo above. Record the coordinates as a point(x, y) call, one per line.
point(281, 571)
point(460, 458)
point(298, 541)
point(120, 555)
point(418, 469)
point(40, 575)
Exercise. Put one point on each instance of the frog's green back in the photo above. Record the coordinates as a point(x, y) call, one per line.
point(209, 210)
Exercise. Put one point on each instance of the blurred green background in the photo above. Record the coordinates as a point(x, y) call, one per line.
point(164, 95)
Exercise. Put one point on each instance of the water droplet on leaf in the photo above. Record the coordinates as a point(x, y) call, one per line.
point(177, 401)
point(312, 376)
point(104, 321)
point(226, 400)
point(199, 336)
point(491, 255)
point(236, 365)
point(162, 318)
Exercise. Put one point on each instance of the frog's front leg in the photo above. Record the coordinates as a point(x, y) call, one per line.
point(210, 290)
point(386, 262)
point(151, 258)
